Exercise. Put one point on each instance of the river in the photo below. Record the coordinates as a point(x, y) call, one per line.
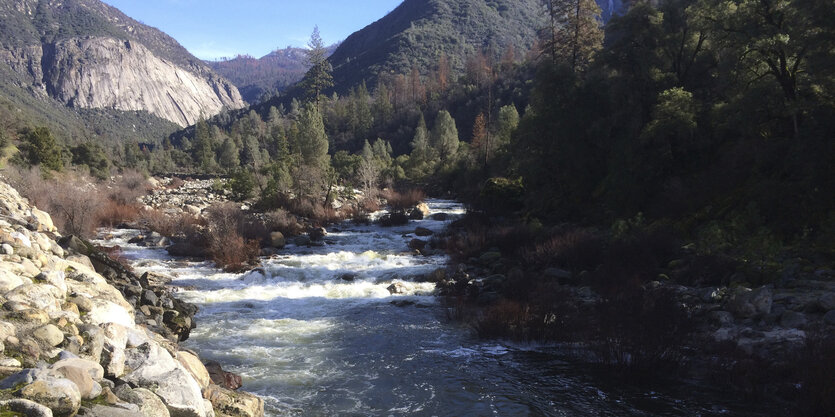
point(313, 344)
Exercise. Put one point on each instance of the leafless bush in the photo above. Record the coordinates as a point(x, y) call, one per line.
point(400, 201)
point(74, 209)
point(128, 188)
point(282, 221)
point(224, 238)
point(169, 225)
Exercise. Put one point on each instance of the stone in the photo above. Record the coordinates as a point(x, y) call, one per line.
point(84, 304)
point(396, 288)
point(49, 334)
point(60, 395)
point(192, 363)
point(113, 352)
point(277, 240)
point(149, 404)
point(793, 319)
point(31, 315)
point(27, 408)
point(152, 367)
point(829, 317)
point(93, 342)
point(423, 232)
point(440, 217)
point(99, 410)
point(721, 318)
point(9, 281)
point(149, 298)
point(417, 244)
point(10, 363)
point(827, 301)
point(421, 210)
point(40, 296)
point(194, 211)
point(745, 303)
point(6, 249)
point(7, 330)
point(317, 233)
point(43, 221)
point(234, 403)
point(95, 370)
point(222, 378)
point(88, 388)
point(557, 273)
point(302, 241)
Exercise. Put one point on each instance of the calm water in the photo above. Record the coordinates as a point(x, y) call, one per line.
point(313, 344)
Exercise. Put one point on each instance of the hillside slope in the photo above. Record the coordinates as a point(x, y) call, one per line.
point(273, 72)
point(86, 54)
point(417, 32)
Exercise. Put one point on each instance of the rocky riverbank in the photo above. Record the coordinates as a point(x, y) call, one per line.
point(83, 335)
point(623, 304)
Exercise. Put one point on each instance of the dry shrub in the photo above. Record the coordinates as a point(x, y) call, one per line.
point(401, 201)
point(128, 188)
point(642, 331)
point(75, 209)
point(571, 248)
point(282, 221)
point(318, 215)
point(477, 239)
point(112, 214)
point(169, 225)
point(224, 238)
point(175, 183)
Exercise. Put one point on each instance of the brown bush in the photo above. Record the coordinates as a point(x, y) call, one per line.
point(505, 320)
point(175, 183)
point(112, 214)
point(128, 188)
point(169, 225)
point(319, 216)
point(571, 248)
point(400, 201)
point(224, 238)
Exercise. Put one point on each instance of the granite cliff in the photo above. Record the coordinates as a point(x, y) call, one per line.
point(86, 54)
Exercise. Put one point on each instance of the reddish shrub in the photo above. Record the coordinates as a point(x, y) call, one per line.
point(403, 201)
point(112, 214)
point(169, 225)
point(571, 248)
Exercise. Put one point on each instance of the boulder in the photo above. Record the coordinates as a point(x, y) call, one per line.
point(50, 335)
point(113, 354)
point(829, 317)
point(99, 410)
point(152, 367)
point(440, 217)
point(489, 258)
point(745, 303)
point(41, 296)
point(277, 240)
point(95, 370)
point(423, 232)
point(827, 301)
point(417, 244)
point(9, 281)
point(419, 212)
point(302, 241)
point(61, 395)
point(396, 288)
point(222, 378)
point(317, 233)
point(234, 403)
point(149, 404)
point(27, 408)
point(196, 368)
point(43, 222)
point(793, 319)
point(88, 388)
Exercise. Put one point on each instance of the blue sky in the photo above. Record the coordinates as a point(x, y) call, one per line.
point(211, 29)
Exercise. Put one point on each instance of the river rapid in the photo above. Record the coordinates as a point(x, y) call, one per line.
point(313, 344)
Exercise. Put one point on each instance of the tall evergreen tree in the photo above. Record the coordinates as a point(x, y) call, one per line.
point(445, 137)
point(319, 77)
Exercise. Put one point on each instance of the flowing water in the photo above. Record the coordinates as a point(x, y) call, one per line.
point(314, 344)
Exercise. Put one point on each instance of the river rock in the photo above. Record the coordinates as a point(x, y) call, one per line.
point(27, 408)
point(277, 240)
point(423, 232)
point(234, 403)
point(41, 296)
point(149, 404)
point(745, 303)
point(317, 233)
point(6, 249)
point(827, 301)
point(9, 281)
point(192, 363)
point(302, 241)
point(99, 410)
point(417, 244)
point(113, 354)
point(88, 388)
point(43, 222)
point(440, 217)
point(793, 319)
point(49, 335)
point(95, 370)
point(396, 288)
point(61, 395)
point(829, 317)
point(419, 212)
point(222, 378)
point(152, 367)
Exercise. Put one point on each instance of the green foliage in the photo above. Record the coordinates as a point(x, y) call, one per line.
point(445, 138)
point(228, 156)
point(311, 144)
point(318, 77)
point(502, 196)
point(38, 147)
point(92, 156)
point(242, 185)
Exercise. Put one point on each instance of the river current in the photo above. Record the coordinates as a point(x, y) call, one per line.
point(314, 344)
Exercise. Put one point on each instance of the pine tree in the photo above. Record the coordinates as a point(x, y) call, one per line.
point(312, 141)
point(228, 157)
point(39, 148)
point(445, 137)
point(319, 77)
point(575, 32)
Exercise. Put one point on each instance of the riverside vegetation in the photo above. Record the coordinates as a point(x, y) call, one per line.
point(653, 191)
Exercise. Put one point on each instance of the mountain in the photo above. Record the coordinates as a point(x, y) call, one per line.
point(88, 55)
point(273, 72)
point(417, 32)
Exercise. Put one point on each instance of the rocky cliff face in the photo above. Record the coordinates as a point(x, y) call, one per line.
point(86, 54)
point(101, 72)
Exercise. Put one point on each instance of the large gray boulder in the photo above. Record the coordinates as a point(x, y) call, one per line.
point(61, 395)
point(152, 367)
point(148, 403)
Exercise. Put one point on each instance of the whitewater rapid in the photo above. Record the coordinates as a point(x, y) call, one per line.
point(314, 344)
